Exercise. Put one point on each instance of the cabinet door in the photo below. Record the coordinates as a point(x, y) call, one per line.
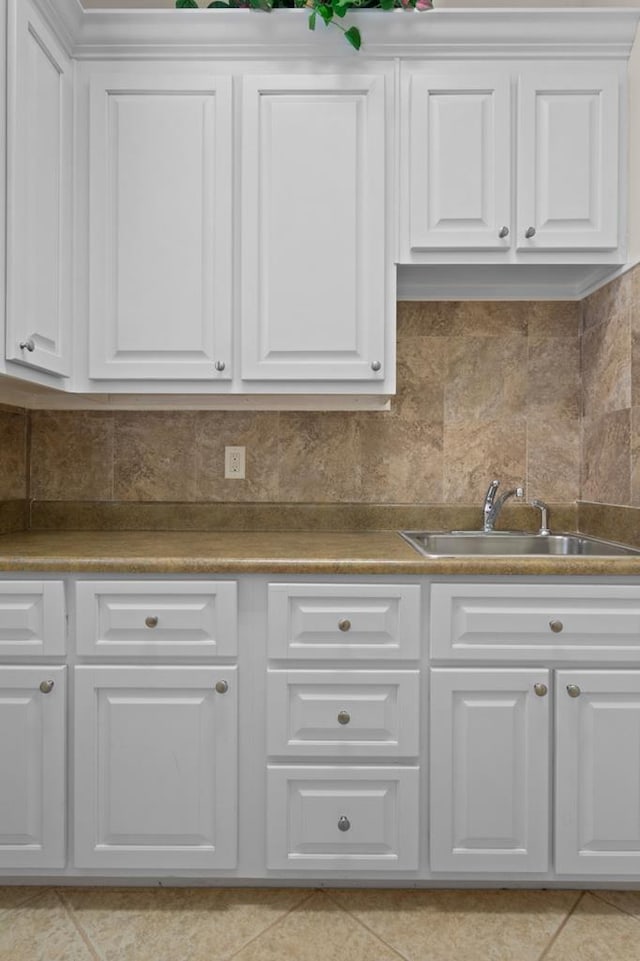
point(314, 274)
point(489, 770)
point(457, 165)
point(156, 767)
point(32, 761)
point(568, 157)
point(598, 777)
point(160, 225)
point(39, 136)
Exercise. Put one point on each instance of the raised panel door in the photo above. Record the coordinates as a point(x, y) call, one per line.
point(32, 762)
point(598, 772)
point(39, 184)
point(490, 778)
point(156, 767)
point(457, 171)
point(568, 157)
point(315, 282)
point(160, 225)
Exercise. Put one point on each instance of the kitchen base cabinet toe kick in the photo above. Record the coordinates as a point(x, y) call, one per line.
point(402, 730)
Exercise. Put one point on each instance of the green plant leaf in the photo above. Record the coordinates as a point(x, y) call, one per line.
point(186, 3)
point(312, 20)
point(218, 4)
point(387, 4)
point(340, 9)
point(354, 38)
point(325, 11)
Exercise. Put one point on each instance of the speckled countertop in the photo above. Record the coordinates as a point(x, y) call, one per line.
point(299, 552)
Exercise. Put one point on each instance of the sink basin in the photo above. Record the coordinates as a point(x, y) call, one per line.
point(509, 543)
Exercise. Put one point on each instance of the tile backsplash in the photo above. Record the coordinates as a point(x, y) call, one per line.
point(484, 390)
point(541, 393)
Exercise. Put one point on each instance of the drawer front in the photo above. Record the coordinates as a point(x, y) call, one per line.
point(343, 713)
point(491, 622)
point(157, 618)
point(32, 618)
point(353, 819)
point(354, 621)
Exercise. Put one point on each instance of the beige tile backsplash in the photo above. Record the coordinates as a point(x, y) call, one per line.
point(541, 393)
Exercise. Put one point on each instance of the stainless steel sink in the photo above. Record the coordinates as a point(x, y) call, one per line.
point(509, 543)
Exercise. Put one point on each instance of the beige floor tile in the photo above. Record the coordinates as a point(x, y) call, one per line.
point(597, 932)
point(318, 930)
point(628, 901)
point(11, 896)
point(461, 925)
point(41, 930)
point(178, 924)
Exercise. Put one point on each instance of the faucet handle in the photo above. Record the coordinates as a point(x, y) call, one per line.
point(489, 497)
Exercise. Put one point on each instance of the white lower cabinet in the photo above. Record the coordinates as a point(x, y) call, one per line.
point(342, 818)
point(598, 772)
point(32, 762)
point(156, 767)
point(489, 770)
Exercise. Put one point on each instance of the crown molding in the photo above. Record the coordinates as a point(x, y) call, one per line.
point(455, 33)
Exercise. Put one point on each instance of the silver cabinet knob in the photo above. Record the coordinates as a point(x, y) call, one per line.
point(344, 624)
point(46, 687)
point(556, 626)
point(530, 232)
point(376, 365)
point(28, 344)
point(222, 687)
point(343, 823)
point(151, 621)
point(573, 690)
point(344, 717)
point(504, 232)
point(541, 689)
point(220, 365)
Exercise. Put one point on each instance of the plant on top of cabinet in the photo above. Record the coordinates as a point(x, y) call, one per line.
point(327, 10)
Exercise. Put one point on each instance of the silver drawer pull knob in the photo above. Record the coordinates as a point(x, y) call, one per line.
point(556, 626)
point(219, 365)
point(343, 823)
point(344, 717)
point(344, 624)
point(540, 689)
point(376, 366)
point(28, 344)
point(151, 621)
point(573, 690)
point(530, 232)
point(504, 232)
point(222, 687)
point(46, 687)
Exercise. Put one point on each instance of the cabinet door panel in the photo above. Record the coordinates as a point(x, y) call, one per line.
point(39, 136)
point(313, 228)
point(160, 226)
point(598, 773)
point(32, 761)
point(156, 767)
point(489, 771)
point(459, 167)
point(568, 157)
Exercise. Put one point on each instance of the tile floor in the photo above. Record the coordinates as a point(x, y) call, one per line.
point(294, 924)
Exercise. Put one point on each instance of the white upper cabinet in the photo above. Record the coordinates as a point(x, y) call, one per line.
point(39, 184)
point(160, 186)
point(314, 288)
point(508, 163)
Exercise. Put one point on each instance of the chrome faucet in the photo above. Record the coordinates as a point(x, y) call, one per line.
point(544, 515)
point(492, 507)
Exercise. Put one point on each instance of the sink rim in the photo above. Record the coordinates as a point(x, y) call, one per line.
point(621, 549)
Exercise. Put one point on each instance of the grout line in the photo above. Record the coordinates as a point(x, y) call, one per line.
point(286, 914)
point(367, 928)
point(93, 951)
point(561, 928)
point(600, 897)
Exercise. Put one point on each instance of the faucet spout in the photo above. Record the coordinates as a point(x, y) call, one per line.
point(492, 507)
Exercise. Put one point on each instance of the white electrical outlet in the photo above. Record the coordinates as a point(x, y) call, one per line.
point(234, 463)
